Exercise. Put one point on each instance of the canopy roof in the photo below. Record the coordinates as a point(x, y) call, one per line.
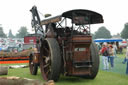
point(93, 17)
point(108, 40)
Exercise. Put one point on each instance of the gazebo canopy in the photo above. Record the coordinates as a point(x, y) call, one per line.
point(108, 40)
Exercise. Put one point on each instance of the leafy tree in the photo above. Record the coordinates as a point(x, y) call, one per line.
point(124, 33)
point(2, 34)
point(10, 35)
point(102, 32)
point(22, 32)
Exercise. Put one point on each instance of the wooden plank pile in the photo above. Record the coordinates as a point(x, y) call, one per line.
point(15, 54)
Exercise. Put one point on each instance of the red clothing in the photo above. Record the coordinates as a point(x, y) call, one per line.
point(103, 49)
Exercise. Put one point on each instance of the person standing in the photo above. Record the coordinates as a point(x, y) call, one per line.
point(104, 52)
point(127, 61)
point(115, 49)
point(111, 55)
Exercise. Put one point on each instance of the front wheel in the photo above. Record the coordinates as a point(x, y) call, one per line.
point(32, 66)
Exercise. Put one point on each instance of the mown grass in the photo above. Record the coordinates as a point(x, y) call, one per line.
point(114, 76)
point(103, 78)
point(119, 67)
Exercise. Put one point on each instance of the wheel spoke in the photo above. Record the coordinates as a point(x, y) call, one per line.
point(47, 72)
point(47, 60)
point(45, 65)
point(46, 49)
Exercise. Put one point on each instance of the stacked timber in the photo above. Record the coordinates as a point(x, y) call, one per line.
point(16, 54)
point(3, 70)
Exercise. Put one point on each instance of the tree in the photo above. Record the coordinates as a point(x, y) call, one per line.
point(22, 32)
point(10, 35)
point(124, 33)
point(102, 32)
point(2, 34)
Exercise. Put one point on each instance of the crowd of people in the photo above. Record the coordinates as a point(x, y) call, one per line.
point(108, 52)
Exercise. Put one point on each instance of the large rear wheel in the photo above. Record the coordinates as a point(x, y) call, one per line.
point(50, 59)
point(95, 61)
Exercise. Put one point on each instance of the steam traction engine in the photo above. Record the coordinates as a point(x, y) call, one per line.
point(65, 45)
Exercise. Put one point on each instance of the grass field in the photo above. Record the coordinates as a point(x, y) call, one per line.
point(114, 76)
point(103, 78)
point(118, 66)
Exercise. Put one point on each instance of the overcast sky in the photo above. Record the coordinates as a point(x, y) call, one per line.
point(15, 13)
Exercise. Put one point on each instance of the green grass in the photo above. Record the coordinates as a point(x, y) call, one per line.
point(118, 66)
point(103, 78)
point(114, 76)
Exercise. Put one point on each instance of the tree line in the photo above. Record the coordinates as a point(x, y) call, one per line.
point(103, 32)
point(21, 33)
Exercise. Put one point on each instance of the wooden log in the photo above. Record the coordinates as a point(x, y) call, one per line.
point(3, 70)
point(50, 82)
point(22, 81)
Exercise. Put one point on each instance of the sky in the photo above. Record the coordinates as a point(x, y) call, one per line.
point(15, 13)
